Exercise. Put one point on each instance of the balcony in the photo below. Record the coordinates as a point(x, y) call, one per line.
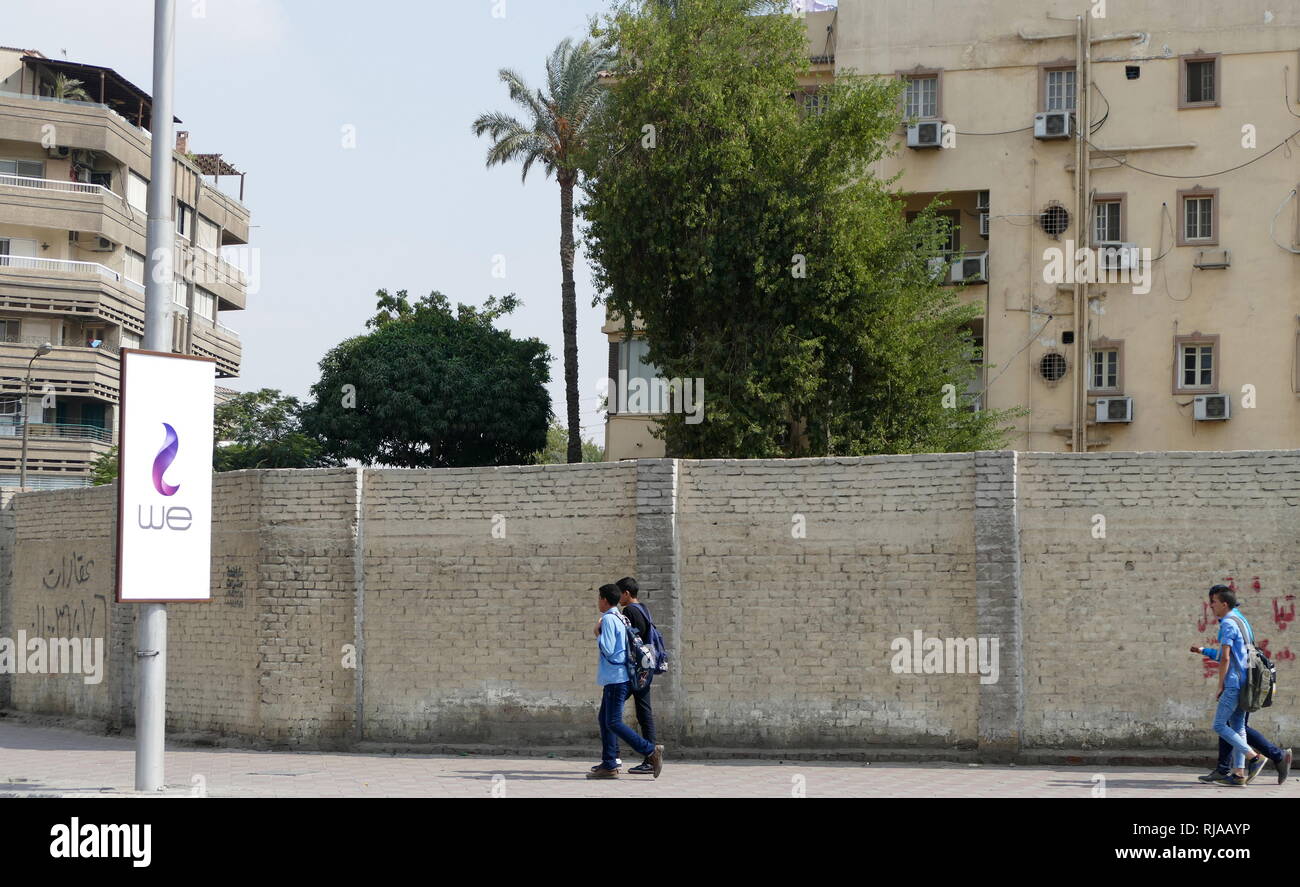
point(35, 341)
point(55, 431)
point(66, 266)
point(62, 206)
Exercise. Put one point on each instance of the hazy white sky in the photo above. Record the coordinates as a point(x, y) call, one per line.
point(270, 84)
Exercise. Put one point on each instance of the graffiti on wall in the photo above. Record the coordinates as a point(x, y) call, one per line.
point(1281, 611)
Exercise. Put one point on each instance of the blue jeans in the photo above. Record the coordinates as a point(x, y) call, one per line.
point(1230, 724)
point(644, 714)
point(1255, 740)
point(612, 728)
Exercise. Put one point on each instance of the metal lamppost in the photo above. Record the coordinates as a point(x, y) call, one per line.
point(27, 397)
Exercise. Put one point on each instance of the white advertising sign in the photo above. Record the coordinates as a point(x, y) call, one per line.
point(164, 518)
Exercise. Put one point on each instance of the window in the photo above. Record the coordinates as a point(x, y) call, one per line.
point(1199, 225)
point(130, 339)
point(205, 304)
point(1197, 363)
point(921, 100)
point(1105, 369)
point(133, 266)
point(11, 330)
point(184, 220)
point(1106, 222)
point(137, 191)
point(208, 235)
point(1198, 81)
point(1059, 90)
point(32, 169)
point(179, 296)
point(646, 392)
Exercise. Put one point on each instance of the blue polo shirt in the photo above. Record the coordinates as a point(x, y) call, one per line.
point(611, 647)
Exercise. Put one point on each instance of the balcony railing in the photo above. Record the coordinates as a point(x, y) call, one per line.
point(56, 185)
point(68, 265)
point(55, 430)
point(41, 340)
point(49, 98)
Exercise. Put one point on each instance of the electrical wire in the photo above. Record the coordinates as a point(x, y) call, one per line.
point(1208, 175)
point(1102, 122)
point(1002, 133)
point(1272, 226)
point(1029, 342)
point(1286, 90)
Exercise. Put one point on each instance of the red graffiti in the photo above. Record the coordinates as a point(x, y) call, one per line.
point(1286, 655)
point(1281, 616)
point(1255, 584)
point(1232, 584)
point(1210, 667)
point(1207, 617)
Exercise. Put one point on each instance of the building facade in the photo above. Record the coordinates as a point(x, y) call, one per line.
point(74, 175)
point(1150, 301)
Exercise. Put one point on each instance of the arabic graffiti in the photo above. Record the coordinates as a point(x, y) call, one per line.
point(78, 619)
point(235, 586)
point(73, 568)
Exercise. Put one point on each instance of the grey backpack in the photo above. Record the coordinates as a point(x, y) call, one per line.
point(1261, 674)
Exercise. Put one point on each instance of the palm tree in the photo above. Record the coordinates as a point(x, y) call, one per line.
point(69, 88)
point(553, 135)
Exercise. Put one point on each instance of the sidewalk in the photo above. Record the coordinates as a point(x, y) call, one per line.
point(47, 761)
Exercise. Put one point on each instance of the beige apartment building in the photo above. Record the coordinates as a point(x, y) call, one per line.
point(1178, 325)
point(74, 170)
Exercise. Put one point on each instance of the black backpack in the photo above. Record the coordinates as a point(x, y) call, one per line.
point(640, 657)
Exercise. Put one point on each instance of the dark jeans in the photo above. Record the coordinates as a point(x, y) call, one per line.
point(1255, 740)
point(612, 728)
point(645, 717)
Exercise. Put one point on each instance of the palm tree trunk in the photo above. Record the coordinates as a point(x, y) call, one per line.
point(569, 302)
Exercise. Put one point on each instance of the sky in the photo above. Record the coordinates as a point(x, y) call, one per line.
point(271, 85)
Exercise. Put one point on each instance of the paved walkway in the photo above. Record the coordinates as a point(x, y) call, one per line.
point(44, 761)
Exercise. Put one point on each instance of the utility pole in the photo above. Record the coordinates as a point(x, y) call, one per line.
point(151, 631)
point(1083, 212)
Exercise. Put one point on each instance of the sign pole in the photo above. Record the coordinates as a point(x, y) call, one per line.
point(151, 623)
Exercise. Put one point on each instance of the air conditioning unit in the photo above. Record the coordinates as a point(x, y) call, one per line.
point(1117, 256)
point(971, 269)
point(938, 267)
point(1212, 407)
point(926, 134)
point(59, 152)
point(984, 225)
point(102, 245)
point(1114, 409)
point(1054, 125)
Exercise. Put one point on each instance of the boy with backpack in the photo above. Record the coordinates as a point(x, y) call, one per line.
point(1236, 653)
point(1280, 757)
point(639, 616)
point(614, 675)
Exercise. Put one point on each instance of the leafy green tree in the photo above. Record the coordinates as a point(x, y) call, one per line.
point(760, 249)
point(431, 388)
point(556, 453)
point(104, 469)
point(263, 429)
point(554, 134)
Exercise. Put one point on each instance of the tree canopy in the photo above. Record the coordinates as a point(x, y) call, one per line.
point(429, 387)
point(762, 252)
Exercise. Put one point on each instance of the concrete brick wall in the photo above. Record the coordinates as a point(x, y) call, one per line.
point(1108, 621)
point(465, 599)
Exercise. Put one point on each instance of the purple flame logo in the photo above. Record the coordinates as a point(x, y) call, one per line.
point(163, 461)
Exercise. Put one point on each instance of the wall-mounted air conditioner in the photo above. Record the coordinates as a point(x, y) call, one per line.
point(926, 134)
point(971, 269)
point(1114, 409)
point(1112, 256)
point(1053, 124)
point(102, 245)
point(1212, 407)
point(59, 152)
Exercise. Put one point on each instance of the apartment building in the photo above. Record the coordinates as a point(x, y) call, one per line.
point(1121, 180)
point(74, 174)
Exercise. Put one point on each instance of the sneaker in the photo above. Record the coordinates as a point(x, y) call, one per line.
point(1212, 776)
point(618, 762)
point(1232, 779)
point(656, 761)
point(1283, 766)
point(1254, 767)
point(645, 767)
point(602, 773)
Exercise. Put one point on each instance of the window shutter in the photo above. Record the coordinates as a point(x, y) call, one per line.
point(613, 378)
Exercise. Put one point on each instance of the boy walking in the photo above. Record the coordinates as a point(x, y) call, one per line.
point(1229, 720)
point(639, 616)
point(615, 682)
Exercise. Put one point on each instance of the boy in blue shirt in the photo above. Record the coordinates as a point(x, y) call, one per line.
point(1229, 720)
point(612, 675)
